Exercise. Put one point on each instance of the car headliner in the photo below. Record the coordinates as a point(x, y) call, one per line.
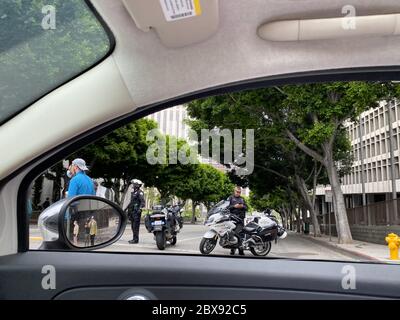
point(142, 71)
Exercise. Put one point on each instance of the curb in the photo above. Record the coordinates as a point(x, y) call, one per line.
point(344, 251)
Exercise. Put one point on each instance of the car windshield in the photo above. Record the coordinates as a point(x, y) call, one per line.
point(43, 45)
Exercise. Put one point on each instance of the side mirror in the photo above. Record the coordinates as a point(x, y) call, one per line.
point(81, 223)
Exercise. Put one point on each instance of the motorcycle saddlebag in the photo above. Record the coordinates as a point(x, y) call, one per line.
point(270, 234)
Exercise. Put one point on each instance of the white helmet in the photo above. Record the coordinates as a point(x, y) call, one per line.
point(137, 183)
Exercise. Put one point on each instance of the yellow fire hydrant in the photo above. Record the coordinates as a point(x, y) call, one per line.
point(393, 241)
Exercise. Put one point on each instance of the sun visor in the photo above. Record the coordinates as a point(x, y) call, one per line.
point(178, 23)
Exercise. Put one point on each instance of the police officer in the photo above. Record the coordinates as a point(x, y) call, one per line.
point(135, 209)
point(238, 207)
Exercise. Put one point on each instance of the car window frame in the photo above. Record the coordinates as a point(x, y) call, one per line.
point(50, 158)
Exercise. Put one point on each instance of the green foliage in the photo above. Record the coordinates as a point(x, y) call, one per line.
point(276, 199)
point(206, 185)
point(121, 154)
point(249, 203)
point(37, 60)
point(314, 113)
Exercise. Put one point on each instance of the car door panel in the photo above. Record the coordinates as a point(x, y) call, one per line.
point(98, 275)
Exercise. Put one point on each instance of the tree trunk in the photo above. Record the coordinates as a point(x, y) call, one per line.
point(194, 205)
point(298, 222)
point(291, 226)
point(284, 216)
point(342, 223)
point(304, 210)
point(116, 187)
point(301, 186)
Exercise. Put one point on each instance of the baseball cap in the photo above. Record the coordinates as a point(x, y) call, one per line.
point(81, 164)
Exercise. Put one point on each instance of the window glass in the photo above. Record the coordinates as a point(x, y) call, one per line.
point(44, 43)
point(266, 159)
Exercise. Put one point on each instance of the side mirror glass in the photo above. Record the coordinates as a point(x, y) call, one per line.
point(90, 223)
point(81, 223)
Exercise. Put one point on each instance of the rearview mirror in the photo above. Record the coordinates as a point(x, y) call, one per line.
point(81, 223)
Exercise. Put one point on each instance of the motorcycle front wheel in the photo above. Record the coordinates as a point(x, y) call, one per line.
point(207, 245)
point(160, 240)
point(261, 250)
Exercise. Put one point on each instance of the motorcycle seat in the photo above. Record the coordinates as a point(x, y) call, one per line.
point(248, 229)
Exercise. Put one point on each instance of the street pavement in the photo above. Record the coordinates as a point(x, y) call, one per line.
point(293, 247)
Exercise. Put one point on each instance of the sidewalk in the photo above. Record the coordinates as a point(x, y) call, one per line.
point(365, 251)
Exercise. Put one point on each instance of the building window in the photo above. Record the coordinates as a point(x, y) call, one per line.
point(374, 172)
point(393, 114)
point(397, 110)
point(381, 120)
point(384, 173)
point(378, 146)
point(372, 147)
point(383, 143)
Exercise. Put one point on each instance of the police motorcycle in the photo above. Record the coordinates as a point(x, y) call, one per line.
point(282, 234)
point(260, 231)
point(165, 223)
point(255, 236)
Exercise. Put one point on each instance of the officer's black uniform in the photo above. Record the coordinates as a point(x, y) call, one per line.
point(241, 213)
point(135, 212)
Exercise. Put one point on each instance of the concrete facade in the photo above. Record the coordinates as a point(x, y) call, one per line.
point(370, 141)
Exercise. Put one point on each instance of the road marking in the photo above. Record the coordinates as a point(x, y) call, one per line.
point(189, 239)
point(36, 238)
point(150, 247)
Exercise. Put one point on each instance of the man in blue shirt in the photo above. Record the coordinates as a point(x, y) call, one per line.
point(81, 183)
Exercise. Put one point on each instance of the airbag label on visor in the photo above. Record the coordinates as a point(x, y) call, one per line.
point(180, 9)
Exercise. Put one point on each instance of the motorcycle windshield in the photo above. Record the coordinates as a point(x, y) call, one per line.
point(218, 208)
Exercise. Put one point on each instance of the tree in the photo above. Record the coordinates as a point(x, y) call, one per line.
point(309, 116)
point(273, 153)
point(313, 117)
point(171, 175)
point(121, 157)
point(206, 185)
